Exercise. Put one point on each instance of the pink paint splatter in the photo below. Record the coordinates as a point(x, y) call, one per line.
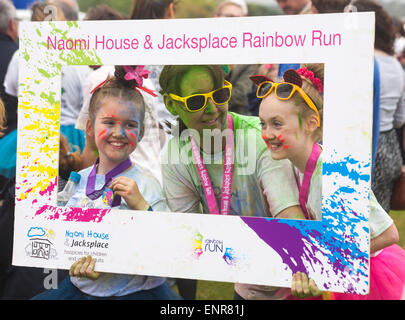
point(72, 214)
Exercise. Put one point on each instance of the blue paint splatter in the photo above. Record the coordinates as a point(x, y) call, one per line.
point(341, 168)
point(297, 242)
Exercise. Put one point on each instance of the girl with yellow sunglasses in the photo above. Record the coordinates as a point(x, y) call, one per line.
point(237, 176)
point(291, 118)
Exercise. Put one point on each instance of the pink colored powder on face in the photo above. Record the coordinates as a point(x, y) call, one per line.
point(266, 140)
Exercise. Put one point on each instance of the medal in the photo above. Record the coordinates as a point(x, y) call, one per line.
point(94, 194)
point(108, 196)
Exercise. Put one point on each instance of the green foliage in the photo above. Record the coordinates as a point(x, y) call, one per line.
point(122, 6)
point(195, 8)
point(260, 10)
point(399, 219)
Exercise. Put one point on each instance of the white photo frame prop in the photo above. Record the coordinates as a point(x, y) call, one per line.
point(334, 252)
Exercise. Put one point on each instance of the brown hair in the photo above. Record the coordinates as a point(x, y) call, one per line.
point(2, 117)
point(330, 6)
point(119, 88)
point(384, 27)
point(313, 93)
point(102, 12)
point(149, 9)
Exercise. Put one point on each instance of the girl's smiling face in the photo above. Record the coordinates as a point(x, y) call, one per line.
point(117, 129)
point(282, 127)
point(199, 80)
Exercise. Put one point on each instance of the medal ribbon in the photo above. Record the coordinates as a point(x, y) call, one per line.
point(227, 175)
point(93, 194)
point(306, 181)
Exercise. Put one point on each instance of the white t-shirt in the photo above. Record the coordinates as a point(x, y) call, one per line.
point(392, 94)
point(11, 78)
point(110, 284)
point(72, 96)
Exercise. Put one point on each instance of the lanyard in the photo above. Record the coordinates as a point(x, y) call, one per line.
point(306, 181)
point(93, 194)
point(227, 175)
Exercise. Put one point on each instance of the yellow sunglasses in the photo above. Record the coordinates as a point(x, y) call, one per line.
point(284, 91)
point(197, 102)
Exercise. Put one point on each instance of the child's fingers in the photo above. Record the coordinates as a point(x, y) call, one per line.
point(305, 285)
point(90, 273)
point(120, 179)
point(121, 190)
point(73, 267)
point(84, 267)
point(123, 181)
point(76, 269)
point(123, 194)
point(301, 286)
point(297, 285)
point(119, 187)
point(314, 288)
point(294, 285)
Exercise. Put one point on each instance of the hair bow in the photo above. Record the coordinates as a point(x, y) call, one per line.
point(136, 73)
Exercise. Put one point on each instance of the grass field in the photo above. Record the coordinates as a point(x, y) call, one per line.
point(208, 290)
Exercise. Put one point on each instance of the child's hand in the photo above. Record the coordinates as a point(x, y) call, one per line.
point(302, 287)
point(128, 189)
point(84, 268)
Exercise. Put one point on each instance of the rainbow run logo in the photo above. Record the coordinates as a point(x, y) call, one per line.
point(213, 246)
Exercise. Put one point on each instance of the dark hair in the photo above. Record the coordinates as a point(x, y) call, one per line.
point(102, 12)
point(398, 26)
point(330, 6)
point(117, 87)
point(384, 27)
point(149, 9)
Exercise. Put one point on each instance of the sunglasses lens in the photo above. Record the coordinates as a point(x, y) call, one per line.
point(221, 96)
point(284, 90)
point(264, 89)
point(196, 102)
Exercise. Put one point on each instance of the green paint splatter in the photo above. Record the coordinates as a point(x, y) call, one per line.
point(44, 73)
point(300, 119)
point(50, 98)
point(26, 56)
